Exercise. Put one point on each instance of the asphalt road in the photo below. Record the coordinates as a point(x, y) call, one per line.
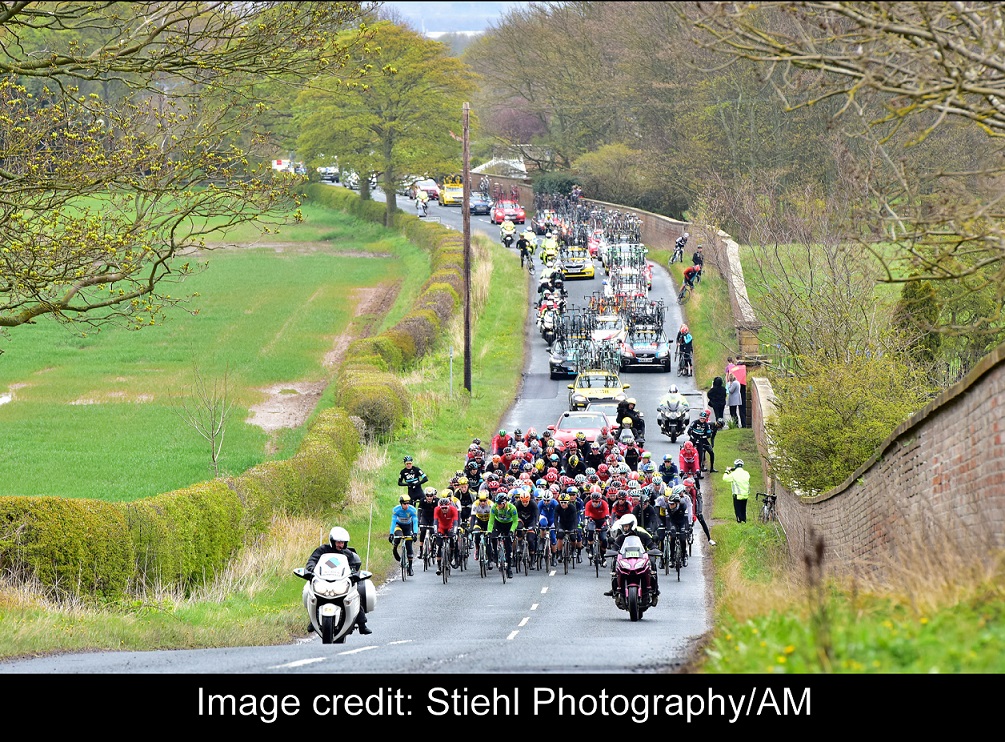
point(547, 622)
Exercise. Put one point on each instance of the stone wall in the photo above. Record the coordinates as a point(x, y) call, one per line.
point(934, 491)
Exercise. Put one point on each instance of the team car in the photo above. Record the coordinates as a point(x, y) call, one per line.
point(571, 423)
point(596, 385)
point(609, 327)
point(452, 192)
point(646, 346)
point(575, 262)
point(511, 210)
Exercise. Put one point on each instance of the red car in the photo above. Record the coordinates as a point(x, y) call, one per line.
point(511, 210)
point(591, 424)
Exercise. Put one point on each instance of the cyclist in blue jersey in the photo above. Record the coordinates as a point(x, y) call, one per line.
point(404, 523)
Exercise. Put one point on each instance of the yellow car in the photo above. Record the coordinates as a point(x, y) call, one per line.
point(576, 262)
point(452, 192)
point(596, 385)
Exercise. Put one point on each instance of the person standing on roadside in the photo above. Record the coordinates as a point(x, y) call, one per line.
point(733, 398)
point(717, 399)
point(739, 480)
point(739, 370)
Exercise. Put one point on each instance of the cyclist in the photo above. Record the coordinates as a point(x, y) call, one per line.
point(645, 513)
point(690, 486)
point(567, 522)
point(596, 517)
point(622, 505)
point(463, 493)
point(692, 274)
point(426, 507)
point(413, 478)
point(547, 508)
point(503, 521)
point(479, 520)
point(404, 524)
point(675, 522)
point(526, 247)
point(701, 431)
point(690, 462)
point(678, 248)
point(500, 442)
point(668, 469)
point(447, 519)
point(625, 527)
point(527, 513)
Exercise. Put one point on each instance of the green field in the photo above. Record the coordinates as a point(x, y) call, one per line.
point(95, 417)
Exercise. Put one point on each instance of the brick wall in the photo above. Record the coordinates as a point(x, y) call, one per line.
point(935, 486)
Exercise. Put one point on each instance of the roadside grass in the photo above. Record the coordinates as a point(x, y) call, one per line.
point(257, 600)
point(94, 417)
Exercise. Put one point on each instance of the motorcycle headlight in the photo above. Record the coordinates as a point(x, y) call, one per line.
point(620, 398)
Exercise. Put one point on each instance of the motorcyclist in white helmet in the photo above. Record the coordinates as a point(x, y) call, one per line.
point(338, 543)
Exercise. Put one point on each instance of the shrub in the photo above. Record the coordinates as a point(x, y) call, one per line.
point(74, 547)
point(558, 182)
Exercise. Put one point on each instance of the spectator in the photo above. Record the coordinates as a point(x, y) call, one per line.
point(740, 372)
point(733, 395)
point(739, 480)
point(717, 399)
point(698, 258)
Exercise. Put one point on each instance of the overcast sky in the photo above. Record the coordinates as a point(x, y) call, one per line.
point(446, 17)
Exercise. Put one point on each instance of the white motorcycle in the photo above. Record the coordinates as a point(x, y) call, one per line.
point(332, 596)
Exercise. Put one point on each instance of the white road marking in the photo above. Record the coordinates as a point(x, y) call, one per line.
point(399, 641)
point(299, 663)
point(534, 606)
point(512, 635)
point(357, 651)
point(524, 621)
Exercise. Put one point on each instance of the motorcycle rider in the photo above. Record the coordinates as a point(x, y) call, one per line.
point(404, 524)
point(673, 400)
point(626, 408)
point(413, 478)
point(507, 230)
point(628, 526)
point(549, 249)
point(701, 432)
point(338, 543)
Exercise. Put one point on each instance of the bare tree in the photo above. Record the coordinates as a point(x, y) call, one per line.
point(905, 73)
point(206, 410)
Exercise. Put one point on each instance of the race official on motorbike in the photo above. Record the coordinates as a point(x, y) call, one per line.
point(627, 526)
point(626, 408)
point(338, 543)
point(673, 395)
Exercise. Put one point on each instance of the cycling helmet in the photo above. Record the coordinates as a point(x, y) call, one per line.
point(483, 496)
point(602, 469)
point(338, 533)
point(703, 415)
point(688, 446)
point(580, 479)
point(571, 491)
point(404, 499)
point(646, 455)
point(477, 441)
point(551, 477)
point(686, 235)
point(580, 436)
point(590, 471)
point(502, 498)
point(430, 492)
point(407, 459)
point(668, 458)
point(631, 400)
point(546, 495)
point(633, 476)
point(573, 460)
point(593, 478)
point(622, 494)
point(684, 329)
point(517, 433)
point(648, 468)
point(628, 522)
point(525, 497)
point(508, 451)
point(677, 490)
point(502, 433)
point(444, 502)
point(689, 482)
point(738, 462)
point(634, 485)
point(564, 499)
point(674, 501)
point(496, 458)
point(461, 481)
point(554, 458)
point(627, 421)
point(673, 389)
point(493, 485)
point(646, 497)
point(595, 494)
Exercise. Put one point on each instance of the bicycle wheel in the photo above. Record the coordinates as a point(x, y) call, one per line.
point(427, 552)
point(567, 555)
point(404, 559)
point(445, 562)
point(667, 556)
point(678, 557)
point(483, 559)
point(525, 559)
point(684, 295)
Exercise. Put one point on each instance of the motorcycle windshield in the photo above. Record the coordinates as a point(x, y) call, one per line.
point(332, 567)
point(632, 548)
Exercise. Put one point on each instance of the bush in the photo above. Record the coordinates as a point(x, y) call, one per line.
point(831, 419)
point(74, 547)
point(557, 182)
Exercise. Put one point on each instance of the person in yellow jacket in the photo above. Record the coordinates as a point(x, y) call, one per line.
point(739, 480)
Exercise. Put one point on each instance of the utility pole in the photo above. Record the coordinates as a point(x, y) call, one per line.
point(466, 222)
